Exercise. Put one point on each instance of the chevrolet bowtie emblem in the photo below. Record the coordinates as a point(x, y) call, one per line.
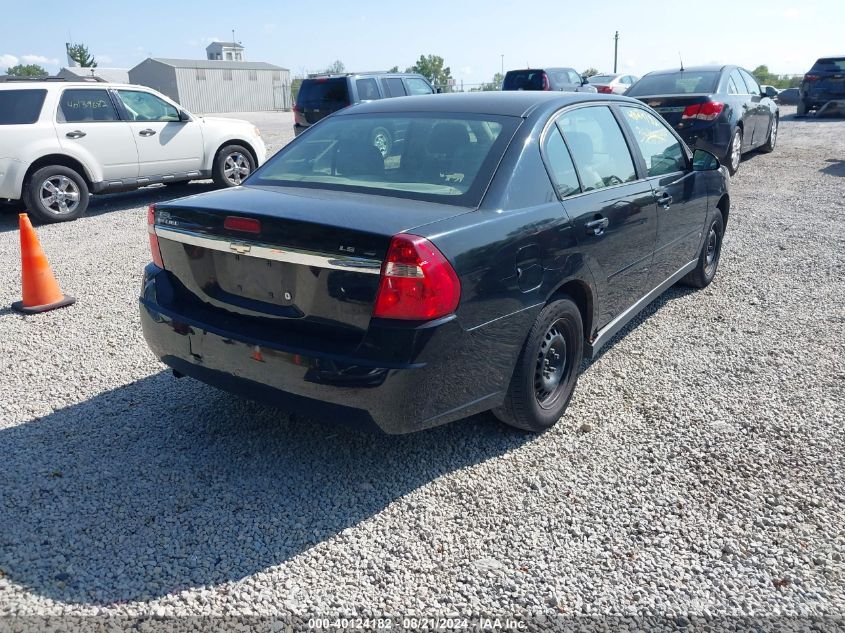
point(240, 247)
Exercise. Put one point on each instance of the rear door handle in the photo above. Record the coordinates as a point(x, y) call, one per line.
point(147, 132)
point(75, 134)
point(597, 226)
point(664, 198)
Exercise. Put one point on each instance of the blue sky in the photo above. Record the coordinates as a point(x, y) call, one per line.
point(471, 35)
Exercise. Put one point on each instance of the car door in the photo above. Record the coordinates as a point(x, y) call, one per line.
point(759, 109)
point(613, 211)
point(89, 128)
point(747, 109)
point(166, 145)
point(680, 194)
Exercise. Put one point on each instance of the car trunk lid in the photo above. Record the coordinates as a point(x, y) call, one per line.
point(672, 107)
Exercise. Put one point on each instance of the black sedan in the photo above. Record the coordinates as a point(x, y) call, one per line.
point(471, 269)
point(721, 109)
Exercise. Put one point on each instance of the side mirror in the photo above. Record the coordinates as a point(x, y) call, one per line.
point(584, 80)
point(702, 160)
point(184, 116)
point(439, 90)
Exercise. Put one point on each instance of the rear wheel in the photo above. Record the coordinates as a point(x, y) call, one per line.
point(56, 194)
point(547, 369)
point(734, 154)
point(773, 136)
point(802, 108)
point(708, 258)
point(232, 165)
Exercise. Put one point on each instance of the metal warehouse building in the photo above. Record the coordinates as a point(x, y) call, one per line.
point(205, 86)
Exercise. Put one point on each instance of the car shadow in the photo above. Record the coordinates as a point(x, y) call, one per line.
point(108, 203)
point(166, 484)
point(835, 167)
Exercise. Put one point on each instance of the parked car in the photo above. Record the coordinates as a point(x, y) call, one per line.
point(615, 84)
point(563, 79)
point(321, 95)
point(788, 96)
point(514, 234)
point(60, 142)
point(825, 82)
point(718, 108)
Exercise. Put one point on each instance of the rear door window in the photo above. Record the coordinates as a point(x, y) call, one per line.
point(662, 152)
point(561, 168)
point(750, 82)
point(598, 147)
point(393, 87)
point(20, 107)
point(323, 94)
point(82, 105)
point(574, 78)
point(417, 86)
point(367, 89)
point(739, 82)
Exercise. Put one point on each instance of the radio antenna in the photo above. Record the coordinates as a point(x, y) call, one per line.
point(682, 61)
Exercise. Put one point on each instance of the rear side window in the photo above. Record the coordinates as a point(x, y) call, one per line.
point(323, 94)
point(675, 83)
point(525, 80)
point(830, 65)
point(662, 152)
point(393, 86)
point(83, 105)
point(560, 164)
point(598, 147)
point(367, 89)
point(417, 86)
point(20, 107)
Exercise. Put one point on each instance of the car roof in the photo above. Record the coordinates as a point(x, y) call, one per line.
point(508, 103)
point(66, 84)
point(692, 69)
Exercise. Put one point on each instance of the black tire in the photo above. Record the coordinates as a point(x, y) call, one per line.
point(241, 160)
point(773, 136)
point(382, 140)
point(708, 260)
point(802, 109)
point(547, 369)
point(69, 206)
point(732, 160)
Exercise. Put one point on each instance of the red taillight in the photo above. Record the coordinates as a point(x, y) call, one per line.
point(546, 85)
point(809, 77)
point(604, 89)
point(707, 111)
point(154, 248)
point(295, 108)
point(417, 282)
point(245, 225)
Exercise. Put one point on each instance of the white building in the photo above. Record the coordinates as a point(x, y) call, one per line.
point(225, 51)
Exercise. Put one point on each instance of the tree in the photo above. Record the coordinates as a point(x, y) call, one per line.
point(763, 76)
point(30, 70)
point(79, 54)
point(336, 68)
point(395, 69)
point(590, 72)
point(431, 67)
point(496, 84)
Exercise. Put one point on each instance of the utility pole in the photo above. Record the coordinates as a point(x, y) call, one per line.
point(615, 50)
point(503, 64)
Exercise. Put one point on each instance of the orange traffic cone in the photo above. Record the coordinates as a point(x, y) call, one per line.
point(40, 290)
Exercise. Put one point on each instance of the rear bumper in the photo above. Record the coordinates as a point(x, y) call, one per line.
point(441, 380)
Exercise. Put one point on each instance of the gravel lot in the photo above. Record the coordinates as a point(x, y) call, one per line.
point(698, 471)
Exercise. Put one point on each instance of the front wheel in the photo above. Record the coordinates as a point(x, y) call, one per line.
point(802, 109)
point(547, 369)
point(232, 165)
point(773, 136)
point(56, 193)
point(734, 154)
point(708, 258)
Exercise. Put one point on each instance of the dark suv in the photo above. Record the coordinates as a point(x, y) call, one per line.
point(825, 82)
point(564, 79)
point(320, 95)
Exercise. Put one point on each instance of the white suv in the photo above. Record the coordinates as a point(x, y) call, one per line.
point(61, 140)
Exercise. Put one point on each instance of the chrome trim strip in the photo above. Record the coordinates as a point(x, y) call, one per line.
point(622, 319)
point(266, 251)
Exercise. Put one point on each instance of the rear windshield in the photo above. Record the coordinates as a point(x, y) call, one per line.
point(323, 94)
point(830, 64)
point(524, 80)
point(20, 106)
point(601, 79)
point(433, 157)
point(685, 82)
